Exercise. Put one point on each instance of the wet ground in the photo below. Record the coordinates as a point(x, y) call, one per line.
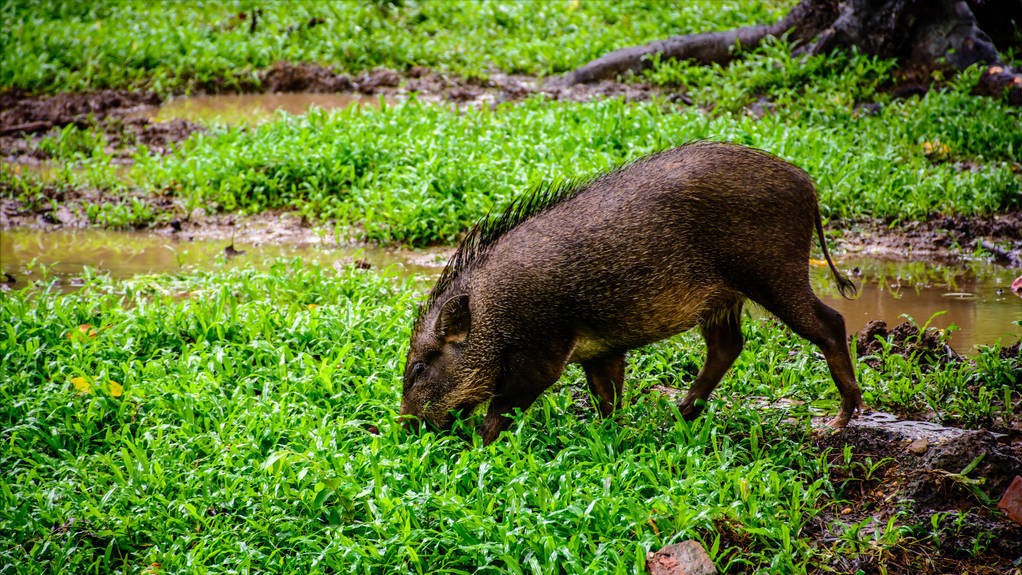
point(975, 297)
point(251, 108)
point(31, 256)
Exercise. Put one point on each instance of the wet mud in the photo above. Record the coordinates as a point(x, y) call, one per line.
point(926, 347)
point(940, 484)
point(26, 119)
point(938, 236)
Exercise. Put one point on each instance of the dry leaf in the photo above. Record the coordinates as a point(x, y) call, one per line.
point(81, 384)
point(83, 331)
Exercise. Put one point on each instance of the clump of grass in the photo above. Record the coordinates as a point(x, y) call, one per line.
point(418, 174)
point(822, 83)
point(245, 418)
point(173, 46)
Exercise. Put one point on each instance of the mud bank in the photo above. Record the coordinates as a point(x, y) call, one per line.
point(938, 236)
point(947, 239)
point(26, 119)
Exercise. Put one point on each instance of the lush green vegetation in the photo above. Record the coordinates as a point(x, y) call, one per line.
point(170, 46)
point(227, 421)
point(417, 173)
point(243, 420)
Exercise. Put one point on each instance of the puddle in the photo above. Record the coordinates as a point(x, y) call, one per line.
point(976, 298)
point(252, 108)
point(62, 255)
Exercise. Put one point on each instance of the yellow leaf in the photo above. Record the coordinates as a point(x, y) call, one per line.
point(818, 263)
point(83, 331)
point(116, 389)
point(81, 384)
point(935, 149)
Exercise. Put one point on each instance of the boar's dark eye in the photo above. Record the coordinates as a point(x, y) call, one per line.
point(417, 370)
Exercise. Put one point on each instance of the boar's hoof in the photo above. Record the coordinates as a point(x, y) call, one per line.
point(691, 408)
point(845, 415)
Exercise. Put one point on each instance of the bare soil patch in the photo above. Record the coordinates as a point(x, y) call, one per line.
point(27, 118)
point(942, 494)
point(938, 236)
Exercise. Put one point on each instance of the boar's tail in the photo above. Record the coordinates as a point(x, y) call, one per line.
point(844, 285)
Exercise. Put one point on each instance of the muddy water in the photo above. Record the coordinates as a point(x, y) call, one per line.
point(35, 257)
point(251, 108)
point(975, 298)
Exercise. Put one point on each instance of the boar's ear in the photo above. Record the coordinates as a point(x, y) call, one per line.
point(453, 322)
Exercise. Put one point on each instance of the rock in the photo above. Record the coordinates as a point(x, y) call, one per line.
point(685, 558)
point(368, 82)
point(919, 445)
point(1011, 503)
point(285, 77)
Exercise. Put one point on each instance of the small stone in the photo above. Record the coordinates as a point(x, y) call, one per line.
point(65, 216)
point(685, 558)
point(919, 445)
point(1011, 503)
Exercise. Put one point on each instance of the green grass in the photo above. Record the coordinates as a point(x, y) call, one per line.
point(419, 174)
point(172, 46)
point(226, 428)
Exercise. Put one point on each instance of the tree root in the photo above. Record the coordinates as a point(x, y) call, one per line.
point(928, 35)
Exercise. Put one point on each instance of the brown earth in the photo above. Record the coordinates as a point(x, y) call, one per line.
point(27, 118)
point(907, 499)
point(942, 498)
point(936, 237)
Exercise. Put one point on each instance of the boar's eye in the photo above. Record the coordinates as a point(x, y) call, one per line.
point(417, 369)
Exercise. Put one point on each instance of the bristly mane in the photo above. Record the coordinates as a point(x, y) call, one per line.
point(489, 229)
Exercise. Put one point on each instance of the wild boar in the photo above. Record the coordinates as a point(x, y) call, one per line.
point(584, 272)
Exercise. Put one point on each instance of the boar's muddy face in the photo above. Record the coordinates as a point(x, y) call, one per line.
point(438, 378)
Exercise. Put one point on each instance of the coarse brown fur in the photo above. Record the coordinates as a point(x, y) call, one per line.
point(584, 272)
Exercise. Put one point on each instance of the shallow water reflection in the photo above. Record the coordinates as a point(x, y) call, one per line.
point(251, 108)
point(30, 256)
point(977, 298)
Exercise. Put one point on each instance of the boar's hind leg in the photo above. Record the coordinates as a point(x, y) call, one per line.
point(606, 377)
point(723, 335)
point(812, 319)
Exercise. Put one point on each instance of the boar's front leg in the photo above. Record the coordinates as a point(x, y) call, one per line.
point(526, 374)
point(606, 377)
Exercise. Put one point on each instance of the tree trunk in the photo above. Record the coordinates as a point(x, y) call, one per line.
point(922, 34)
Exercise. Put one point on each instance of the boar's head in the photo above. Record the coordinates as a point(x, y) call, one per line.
point(446, 371)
